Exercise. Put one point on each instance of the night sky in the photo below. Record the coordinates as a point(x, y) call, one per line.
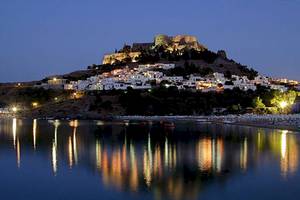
point(40, 38)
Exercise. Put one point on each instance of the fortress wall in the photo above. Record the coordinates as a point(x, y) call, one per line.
point(111, 58)
point(177, 42)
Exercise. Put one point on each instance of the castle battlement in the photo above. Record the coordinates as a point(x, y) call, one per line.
point(170, 43)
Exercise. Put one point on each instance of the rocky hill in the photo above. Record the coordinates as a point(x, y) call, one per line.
point(180, 49)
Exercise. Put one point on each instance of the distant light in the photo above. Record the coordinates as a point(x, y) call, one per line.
point(74, 123)
point(55, 98)
point(283, 104)
point(35, 104)
point(14, 109)
point(54, 79)
point(19, 84)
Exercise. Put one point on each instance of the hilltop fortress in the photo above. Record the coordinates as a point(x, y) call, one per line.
point(169, 43)
point(178, 42)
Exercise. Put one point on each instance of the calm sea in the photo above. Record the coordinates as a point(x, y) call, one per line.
point(86, 160)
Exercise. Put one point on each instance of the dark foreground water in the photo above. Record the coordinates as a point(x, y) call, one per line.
point(149, 160)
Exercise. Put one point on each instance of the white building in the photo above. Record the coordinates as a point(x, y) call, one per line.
point(281, 88)
point(173, 78)
point(219, 77)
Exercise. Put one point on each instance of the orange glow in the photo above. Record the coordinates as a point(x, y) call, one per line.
point(34, 133)
point(289, 154)
point(98, 154)
point(204, 154)
point(70, 152)
point(18, 154)
point(134, 179)
point(244, 155)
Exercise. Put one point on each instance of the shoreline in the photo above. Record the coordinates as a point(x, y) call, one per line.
point(284, 122)
point(264, 121)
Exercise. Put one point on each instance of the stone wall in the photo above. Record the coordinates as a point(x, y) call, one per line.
point(112, 58)
point(178, 42)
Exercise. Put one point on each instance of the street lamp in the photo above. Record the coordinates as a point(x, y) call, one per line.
point(283, 104)
point(35, 104)
point(14, 109)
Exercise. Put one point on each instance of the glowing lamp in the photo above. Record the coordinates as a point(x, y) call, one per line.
point(283, 104)
point(14, 109)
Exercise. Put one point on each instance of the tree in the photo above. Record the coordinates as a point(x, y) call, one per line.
point(258, 105)
point(283, 101)
point(229, 83)
point(228, 74)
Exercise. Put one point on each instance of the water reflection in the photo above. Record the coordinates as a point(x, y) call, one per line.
point(171, 163)
point(289, 154)
point(56, 124)
point(34, 133)
point(14, 130)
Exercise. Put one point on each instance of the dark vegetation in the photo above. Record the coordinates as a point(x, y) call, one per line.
point(171, 101)
point(159, 54)
point(157, 101)
point(26, 96)
point(187, 69)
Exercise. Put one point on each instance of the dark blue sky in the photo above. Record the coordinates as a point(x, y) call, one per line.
point(46, 37)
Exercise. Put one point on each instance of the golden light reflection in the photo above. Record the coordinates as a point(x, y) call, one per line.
point(283, 145)
point(98, 155)
point(54, 147)
point(244, 154)
point(147, 164)
point(75, 145)
point(288, 154)
point(34, 133)
point(54, 158)
point(166, 156)
point(219, 154)
point(124, 157)
point(134, 179)
point(74, 123)
point(70, 152)
point(204, 154)
point(105, 168)
point(147, 169)
point(14, 130)
point(116, 172)
point(157, 168)
point(261, 137)
point(18, 151)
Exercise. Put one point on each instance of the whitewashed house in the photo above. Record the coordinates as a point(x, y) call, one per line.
point(281, 88)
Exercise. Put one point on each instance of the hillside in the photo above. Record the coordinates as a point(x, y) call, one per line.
point(179, 50)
